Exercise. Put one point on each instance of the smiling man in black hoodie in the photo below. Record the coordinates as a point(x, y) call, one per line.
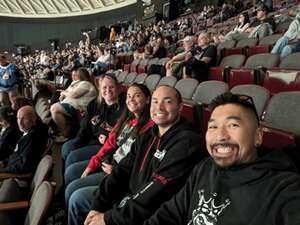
point(157, 166)
point(235, 186)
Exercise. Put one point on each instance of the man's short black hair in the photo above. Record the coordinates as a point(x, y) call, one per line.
point(244, 101)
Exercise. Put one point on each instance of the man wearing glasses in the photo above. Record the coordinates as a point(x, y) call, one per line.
point(236, 186)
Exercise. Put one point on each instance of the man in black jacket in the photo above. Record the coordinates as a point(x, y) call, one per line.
point(31, 145)
point(236, 186)
point(155, 169)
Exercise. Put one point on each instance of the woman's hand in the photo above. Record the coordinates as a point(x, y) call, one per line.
point(107, 168)
point(102, 139)
point(86, 172)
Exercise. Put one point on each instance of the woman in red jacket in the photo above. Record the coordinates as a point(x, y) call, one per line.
point(134, 121)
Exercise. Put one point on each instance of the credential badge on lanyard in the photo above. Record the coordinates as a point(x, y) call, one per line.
point(160, 154)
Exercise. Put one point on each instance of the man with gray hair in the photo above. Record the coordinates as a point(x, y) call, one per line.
point(175, 65)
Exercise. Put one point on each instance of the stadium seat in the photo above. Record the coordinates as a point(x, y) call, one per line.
point(140, 78)
point(205, 92)
point(291, 62)
point(187, 87)
point(142, 67)
point(264, 45)
point(241, 46)
point(38, 206)
point(170, 81)
point(25, 190)
point(220, 72)
point(259, 94)
point(122, 76)
point(152, 81)
point(282, 80)
point(253, 71)
point(134, 65)
point(129, 79)
point(281, 121)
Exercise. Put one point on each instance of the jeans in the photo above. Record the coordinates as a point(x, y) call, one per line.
point(90, 180)
point(74, 171)
point(81, 154)
point(68, 147)
point(280, 44)
point(80, 204)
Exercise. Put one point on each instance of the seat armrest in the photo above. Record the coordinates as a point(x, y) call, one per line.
point(14, 205)
point(14, 175)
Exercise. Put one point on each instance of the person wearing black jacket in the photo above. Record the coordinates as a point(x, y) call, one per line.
point(30, 147)
point(10, 133)
point(101, 115)
point(155, 169)
point(236, 186)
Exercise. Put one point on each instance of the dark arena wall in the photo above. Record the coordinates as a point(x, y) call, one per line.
point(37, 32)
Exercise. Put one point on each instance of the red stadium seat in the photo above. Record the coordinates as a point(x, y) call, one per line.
point(282, 80)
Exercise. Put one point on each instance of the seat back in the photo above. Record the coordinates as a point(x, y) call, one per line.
point(208, 90)
point(152, 81)
point(291, 62)
point(163, 61)
point(187, 87)
point(140, 78)
point(39, 204)
point(41, 173)
point(259, 94)
point(130, 78)
point(270, 40)
point(121, 77)
point(233, 61)
point(247, 42)
point(170, 81)
point(134, 64)
point(279, 81)
point(283, 112)
point(226, 44)
point(265, 60)
point(152, 61)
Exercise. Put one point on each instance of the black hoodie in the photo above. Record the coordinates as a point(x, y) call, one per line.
point(264, 192)
point(154, 170)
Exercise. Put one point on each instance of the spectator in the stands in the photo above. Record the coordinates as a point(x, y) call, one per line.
point(200, 59)
point(9, 78)
point(156, 167)
point(72, 101)
point(262, 26)
point(242, 26)
point(175, 65)
point(159, 50)
point(101, 116)
point(284, 44)
point(10, 133)
point(30, 146)
point(103, 59)
point(112, 35)
point(134, 121)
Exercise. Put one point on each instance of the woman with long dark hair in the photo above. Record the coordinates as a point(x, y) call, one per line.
point(134, 121)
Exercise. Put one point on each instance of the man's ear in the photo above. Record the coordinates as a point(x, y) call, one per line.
point(259, 136)
point(180, 107)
